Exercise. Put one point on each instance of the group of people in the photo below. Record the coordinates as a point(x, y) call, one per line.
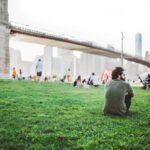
point(67, 76)
point(118, 92)
point(15, 75)
point(38, 75)
point(39, 68)
point(93, 80)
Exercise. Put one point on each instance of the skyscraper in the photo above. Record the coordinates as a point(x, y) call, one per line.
point(138, 44)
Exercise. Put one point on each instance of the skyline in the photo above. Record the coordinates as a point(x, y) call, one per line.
point(80, 19)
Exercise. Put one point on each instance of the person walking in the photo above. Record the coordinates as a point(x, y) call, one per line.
point(39, 68)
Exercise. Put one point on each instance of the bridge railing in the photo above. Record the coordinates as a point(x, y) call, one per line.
point(64, 36)
point(41, 31)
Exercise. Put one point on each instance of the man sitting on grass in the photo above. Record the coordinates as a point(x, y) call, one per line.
point(118, 94)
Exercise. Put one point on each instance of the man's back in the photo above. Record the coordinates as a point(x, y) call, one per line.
point(94, 80)
point(115, 92)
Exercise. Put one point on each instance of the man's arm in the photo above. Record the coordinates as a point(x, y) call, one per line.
point(131, 94)
point(130, 90)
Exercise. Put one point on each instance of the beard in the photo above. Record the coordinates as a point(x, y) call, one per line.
point(123, 79)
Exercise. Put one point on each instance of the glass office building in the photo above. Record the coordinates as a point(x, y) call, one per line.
point(138, 44)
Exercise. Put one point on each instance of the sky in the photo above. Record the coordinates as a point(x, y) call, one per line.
point(99, 21)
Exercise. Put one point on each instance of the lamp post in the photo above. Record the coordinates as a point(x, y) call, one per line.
point(122, 36)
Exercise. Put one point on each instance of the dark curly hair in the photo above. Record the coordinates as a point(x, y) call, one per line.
point(116, 72)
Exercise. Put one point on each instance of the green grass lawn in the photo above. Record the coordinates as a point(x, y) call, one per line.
point(56, 116)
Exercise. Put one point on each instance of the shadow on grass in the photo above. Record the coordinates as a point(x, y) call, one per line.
point(133, 114)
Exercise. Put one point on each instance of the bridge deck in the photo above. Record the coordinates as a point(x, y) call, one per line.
point(33, 36)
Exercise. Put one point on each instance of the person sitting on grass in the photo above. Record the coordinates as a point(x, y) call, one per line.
point(93, 80)
point(147, 82)
point(118, 94)
point(84, 84)
point(77, 82)
point(63, 79)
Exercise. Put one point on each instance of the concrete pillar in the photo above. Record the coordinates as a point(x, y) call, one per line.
point(75, 67)
point(4, 39)
point(47, 61)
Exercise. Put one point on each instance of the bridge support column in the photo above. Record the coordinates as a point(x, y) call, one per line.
point(47, 61)
point(4, 39)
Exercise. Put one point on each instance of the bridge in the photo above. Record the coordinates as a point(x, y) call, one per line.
point(29, 34)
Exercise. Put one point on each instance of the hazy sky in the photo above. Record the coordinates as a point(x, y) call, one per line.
point(100, 21)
